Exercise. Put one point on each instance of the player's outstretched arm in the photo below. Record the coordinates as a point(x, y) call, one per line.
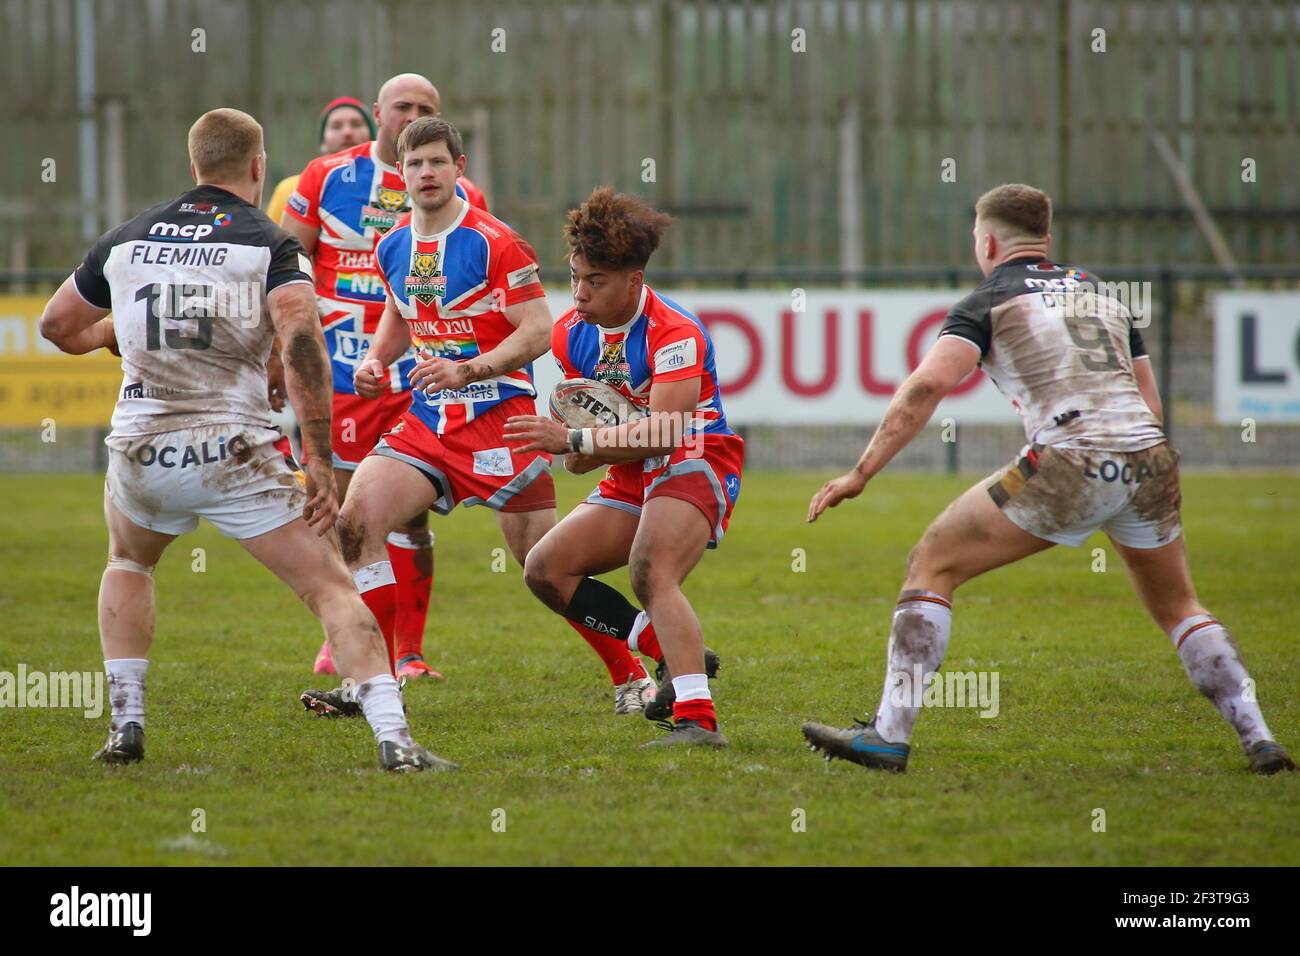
point(947, 363)
point(307, 376)
point(73, 324)
point(530, 340)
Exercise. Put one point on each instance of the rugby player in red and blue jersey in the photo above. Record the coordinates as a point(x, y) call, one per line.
point(343, 205)
point(463, 289)
point(674, 475)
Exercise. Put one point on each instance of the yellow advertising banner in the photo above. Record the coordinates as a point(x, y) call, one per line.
point(38, 382)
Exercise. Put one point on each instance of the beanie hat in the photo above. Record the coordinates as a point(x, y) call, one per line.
point(339, 103)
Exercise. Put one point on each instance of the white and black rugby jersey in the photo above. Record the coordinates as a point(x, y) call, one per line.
point(1061, 352)
point(187, 281)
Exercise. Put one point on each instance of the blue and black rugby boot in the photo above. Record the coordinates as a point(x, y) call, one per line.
point(860, 743)
point(1269, 756)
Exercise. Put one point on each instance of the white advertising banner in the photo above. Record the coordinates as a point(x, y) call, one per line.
point(837, 361)
point(1257, 357)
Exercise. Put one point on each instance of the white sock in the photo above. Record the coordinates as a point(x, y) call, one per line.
point(381, 702)
point(126, 690)
point(919, 636)
point(400, 539)
point(374, 576)
point(1210, 657)
point(692, 687)
point(640, 624)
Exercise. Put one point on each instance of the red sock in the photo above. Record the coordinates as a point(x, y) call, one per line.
point(648, 644)
point(413, 569)
point(700, 711)
point(382, 602)
point(621, 662)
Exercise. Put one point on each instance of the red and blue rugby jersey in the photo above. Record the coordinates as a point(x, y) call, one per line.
point(354, 198)
point(661, 343)
point(453, 288)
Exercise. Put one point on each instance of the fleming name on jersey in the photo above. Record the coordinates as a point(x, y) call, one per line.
point(187, 282)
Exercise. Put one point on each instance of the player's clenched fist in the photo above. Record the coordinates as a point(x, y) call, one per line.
point(835, 491)
point(322, 508)
point(369, 379)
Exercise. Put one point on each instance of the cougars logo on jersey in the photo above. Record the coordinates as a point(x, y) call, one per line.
point(612, 367)
point(425, 282)
point(388, 208)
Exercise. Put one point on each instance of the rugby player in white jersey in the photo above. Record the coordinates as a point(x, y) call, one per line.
point(1077, 372)
point(189, 282)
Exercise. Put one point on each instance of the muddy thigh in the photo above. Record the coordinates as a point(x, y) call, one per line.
point(244, 463)
point(1050, 493)
point(1158, 497)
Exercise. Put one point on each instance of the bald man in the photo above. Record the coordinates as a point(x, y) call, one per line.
point(191, 431)
point(342, 207)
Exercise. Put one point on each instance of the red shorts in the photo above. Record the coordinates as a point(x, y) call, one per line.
point(359, 422)
point(710, 481)
point(471, 464)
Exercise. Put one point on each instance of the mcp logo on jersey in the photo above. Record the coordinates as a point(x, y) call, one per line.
point(193, 231)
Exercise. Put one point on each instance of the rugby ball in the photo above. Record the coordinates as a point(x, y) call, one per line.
point(586, 403)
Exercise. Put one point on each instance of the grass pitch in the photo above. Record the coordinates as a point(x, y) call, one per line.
point(1095, 711)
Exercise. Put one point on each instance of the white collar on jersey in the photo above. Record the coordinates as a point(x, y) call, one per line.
point(374, 156)
point(623, 329)
point(460, 217)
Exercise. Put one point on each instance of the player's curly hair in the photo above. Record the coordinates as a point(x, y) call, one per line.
point(615, 230)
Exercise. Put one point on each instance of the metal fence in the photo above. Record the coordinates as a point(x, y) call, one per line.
point(781, 132)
